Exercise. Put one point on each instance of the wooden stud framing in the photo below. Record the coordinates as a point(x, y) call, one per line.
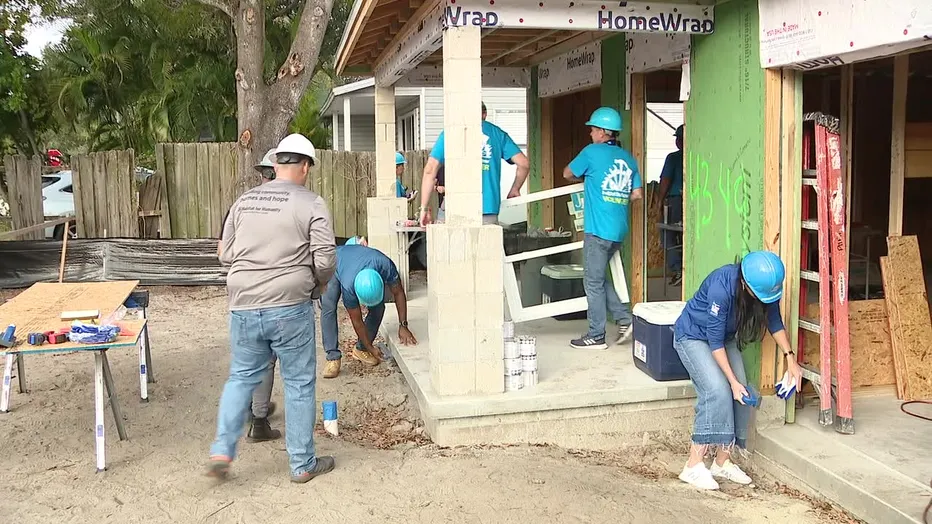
point(898, 144)
point(638, 207)
point(547, 172)
point(791, 185)
point(773, 82)
point(847, 115)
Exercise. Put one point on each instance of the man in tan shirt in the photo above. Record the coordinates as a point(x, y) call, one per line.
point(278, 242)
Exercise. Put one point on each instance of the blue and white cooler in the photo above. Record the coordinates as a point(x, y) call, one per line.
point(653, 340)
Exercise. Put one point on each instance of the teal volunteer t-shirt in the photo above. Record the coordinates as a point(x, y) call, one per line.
point(609, 176)
point(496, 146)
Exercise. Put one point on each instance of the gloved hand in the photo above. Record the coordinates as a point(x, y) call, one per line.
point(786, 387)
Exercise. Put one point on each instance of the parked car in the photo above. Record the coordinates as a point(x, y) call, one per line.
point(58, 201)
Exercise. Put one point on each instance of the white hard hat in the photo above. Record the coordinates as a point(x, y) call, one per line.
point(268, 160)
point(292, 147)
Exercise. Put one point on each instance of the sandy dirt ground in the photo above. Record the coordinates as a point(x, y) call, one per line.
point(386, 470)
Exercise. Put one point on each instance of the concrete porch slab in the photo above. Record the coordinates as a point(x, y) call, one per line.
point(594, 400)
point(880, 474)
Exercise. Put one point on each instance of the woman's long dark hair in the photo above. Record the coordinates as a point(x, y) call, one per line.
point(750, 314)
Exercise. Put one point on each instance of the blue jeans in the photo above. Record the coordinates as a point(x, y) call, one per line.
point(330, 328)
point(255, 335)
point(600, 292)
point(720, 419)
point(672, 238)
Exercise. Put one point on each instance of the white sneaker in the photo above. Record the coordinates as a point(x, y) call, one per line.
point(730, 471)
point(624, 333)
point(698, 476)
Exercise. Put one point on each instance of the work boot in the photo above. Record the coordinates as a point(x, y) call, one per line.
point(332, 368)
point(365, 357)
point(268, 412)
point(323, 465)
point(261, 431)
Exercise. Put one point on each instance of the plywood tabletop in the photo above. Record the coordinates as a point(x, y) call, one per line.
point(39, 308)
point(129, 336)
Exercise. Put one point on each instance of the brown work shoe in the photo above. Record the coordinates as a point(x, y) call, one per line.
point(365, 357)
point(332, 369)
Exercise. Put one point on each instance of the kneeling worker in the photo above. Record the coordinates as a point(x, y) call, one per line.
point(361, 276)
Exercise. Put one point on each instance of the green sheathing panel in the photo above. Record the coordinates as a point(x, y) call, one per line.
point(613, 95)
point(725, 149)
point(535, 179)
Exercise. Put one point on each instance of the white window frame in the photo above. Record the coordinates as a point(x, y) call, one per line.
point(518, 312)
point(415, 132)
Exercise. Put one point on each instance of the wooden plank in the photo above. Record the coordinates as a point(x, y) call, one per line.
point(132, 207)
point(115, 193)
point(847, 116)
point(176, 202)
point(190, 182)
point(773, 84)
point(351, 226)
point(364, 169)
point(19, 234)
point(898, 144)
point(326, 179)
point(24, 180)
point(164, 161)
point(871, 349)
point(203, 191)
point(99, 161)
point(338, 206)
point(90, 217)
point(638, 149)
point(228, 167)
point(547, 171)
point(910, 325)
point(790, 198)
point(216, 209)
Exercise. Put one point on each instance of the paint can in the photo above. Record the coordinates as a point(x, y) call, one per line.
point(513, 380)
point(513, 364)
point(529, 379)
point(330, 417)
point(527, 346)
point(511, 349)
point(508, 330)
point(529, 363)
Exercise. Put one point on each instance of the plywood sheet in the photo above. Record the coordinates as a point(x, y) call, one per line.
point(910, 324)
point(871, 351)
point(39, 308)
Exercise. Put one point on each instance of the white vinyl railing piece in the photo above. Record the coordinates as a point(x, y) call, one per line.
point(519, 313)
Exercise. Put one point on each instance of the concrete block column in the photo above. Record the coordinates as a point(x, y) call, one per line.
point(462, 124)
point(385, 141)
point(382, 213)
point(465, 308)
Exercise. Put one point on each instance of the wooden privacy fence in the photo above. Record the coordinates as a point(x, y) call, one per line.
point(199, 183)
point(105, 197)
point(24, 182)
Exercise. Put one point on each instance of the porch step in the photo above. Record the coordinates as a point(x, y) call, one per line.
point(866, 487)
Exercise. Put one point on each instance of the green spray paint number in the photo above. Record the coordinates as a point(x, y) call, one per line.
point(731, 197)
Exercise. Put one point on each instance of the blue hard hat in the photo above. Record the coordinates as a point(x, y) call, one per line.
point(399, 159)
point(605, 118)
point(763, 272)
point(370, 290)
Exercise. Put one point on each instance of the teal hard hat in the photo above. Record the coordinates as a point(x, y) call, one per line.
point(370, 290)
point(763, 272)
point(354, 241)
point(605, 118)
point(399, 159)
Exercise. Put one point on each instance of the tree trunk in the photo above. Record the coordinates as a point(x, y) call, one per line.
point(251, 91)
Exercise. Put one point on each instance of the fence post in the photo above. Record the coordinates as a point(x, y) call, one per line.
point(24, 181)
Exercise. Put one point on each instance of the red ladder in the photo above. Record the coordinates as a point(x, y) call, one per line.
point(827, 182)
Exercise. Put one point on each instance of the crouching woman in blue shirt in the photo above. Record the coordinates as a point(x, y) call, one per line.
point(728, 312)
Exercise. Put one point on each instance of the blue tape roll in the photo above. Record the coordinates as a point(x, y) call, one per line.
point(330, 409)
point(8, 334)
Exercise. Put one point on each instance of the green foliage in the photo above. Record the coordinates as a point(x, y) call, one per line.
point(133, 73)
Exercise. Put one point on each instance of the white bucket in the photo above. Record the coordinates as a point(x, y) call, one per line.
point(513, 365)
point(513, 381)
point(529, 363)
point(529, 378)
point(511, 349)
point(527, 346)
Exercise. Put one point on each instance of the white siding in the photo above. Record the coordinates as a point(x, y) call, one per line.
point(507, 107)
point(659, 139)
point(362, 131)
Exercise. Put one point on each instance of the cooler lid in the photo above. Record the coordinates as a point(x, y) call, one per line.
point(563, 271)
point(659, 313)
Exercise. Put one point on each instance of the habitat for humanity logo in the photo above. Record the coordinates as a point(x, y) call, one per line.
point(666, 22)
